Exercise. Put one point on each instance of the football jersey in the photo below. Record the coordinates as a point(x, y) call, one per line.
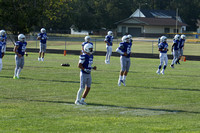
point(163, 45)
point(87, 61)
point(43, 37)
point(1, 44)
point(22, 47)
point(182, 42)
point(125, 47)
point(4, 38)
point(109, 39)
point(176, 46)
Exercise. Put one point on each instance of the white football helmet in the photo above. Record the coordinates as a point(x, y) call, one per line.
point(177, 37)
point(125, 38)
point(87, 38)
point(163, 39)
point(2, 33)
point(21, 37)
point(43, 30)
point(130, 36)
point(110, 33)
point(183, 36)
point(88, 48)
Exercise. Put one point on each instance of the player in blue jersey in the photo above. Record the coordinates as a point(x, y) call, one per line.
point(85, 64)
point(181, 47)
point(3, 39)
point(125, 52)
point(87, 40)
point(43, 43)
point(19, 49)
point(175, 49)
point(163, 48)
point(109, 42)
point(1, 55)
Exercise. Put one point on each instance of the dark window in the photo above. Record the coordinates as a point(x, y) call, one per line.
point(123, 30)
point(175, 30)
point(167, 30)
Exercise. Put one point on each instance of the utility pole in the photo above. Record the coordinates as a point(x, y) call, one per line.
point(176, 20)
point(140, 8)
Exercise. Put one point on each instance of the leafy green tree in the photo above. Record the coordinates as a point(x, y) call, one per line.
point(18, 16)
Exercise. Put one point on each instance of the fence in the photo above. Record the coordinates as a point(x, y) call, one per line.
point(140, 45)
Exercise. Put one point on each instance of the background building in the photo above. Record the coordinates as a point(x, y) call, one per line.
point(151, 23)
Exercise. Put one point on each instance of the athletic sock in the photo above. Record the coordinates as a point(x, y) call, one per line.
point(124, 77)
point(79, 94)
point(120, 77)
point(18, 72)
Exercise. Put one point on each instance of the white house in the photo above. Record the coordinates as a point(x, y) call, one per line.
point(76, 32)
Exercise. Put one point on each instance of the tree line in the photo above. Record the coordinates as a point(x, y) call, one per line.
point(25, 16)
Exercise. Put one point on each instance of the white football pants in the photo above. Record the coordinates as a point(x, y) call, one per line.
point(163, 59)
point(109, 53)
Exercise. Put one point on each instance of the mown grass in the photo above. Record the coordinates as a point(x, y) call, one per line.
point(42, 100)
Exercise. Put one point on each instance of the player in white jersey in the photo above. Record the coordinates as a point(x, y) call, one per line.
point(87, 40)
point(175, 50)
point(19, 49)
point(43, 43)
point(181, 47)
point(163, 48)
point(1, 55)
point(124, 50)
point(85, 64)
point(3, 39)
point(109, 42)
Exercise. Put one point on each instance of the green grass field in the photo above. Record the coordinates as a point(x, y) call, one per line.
point(42, 100)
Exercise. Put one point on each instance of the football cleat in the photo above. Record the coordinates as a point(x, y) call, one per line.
point(83, 103)
point(172, 66)
point(15, 77)
point(77, 102)
point(162, 72)
point(158, 71)
point(123, 81)
point(119, 82)
point(106, 62)
point(42, 59)
point(39, 59)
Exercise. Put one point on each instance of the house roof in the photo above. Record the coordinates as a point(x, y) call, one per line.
point(151, 21)
point(159, 13)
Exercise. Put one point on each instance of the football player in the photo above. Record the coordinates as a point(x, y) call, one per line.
point(163, 48)
point(125, 51)
point(43, 43)
point(1, 55)
point(181, 47)
point(87, 40)
point(19, 49)
point(85, 65)
point(175, 49)
point(109, 42)
point(3, 39)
